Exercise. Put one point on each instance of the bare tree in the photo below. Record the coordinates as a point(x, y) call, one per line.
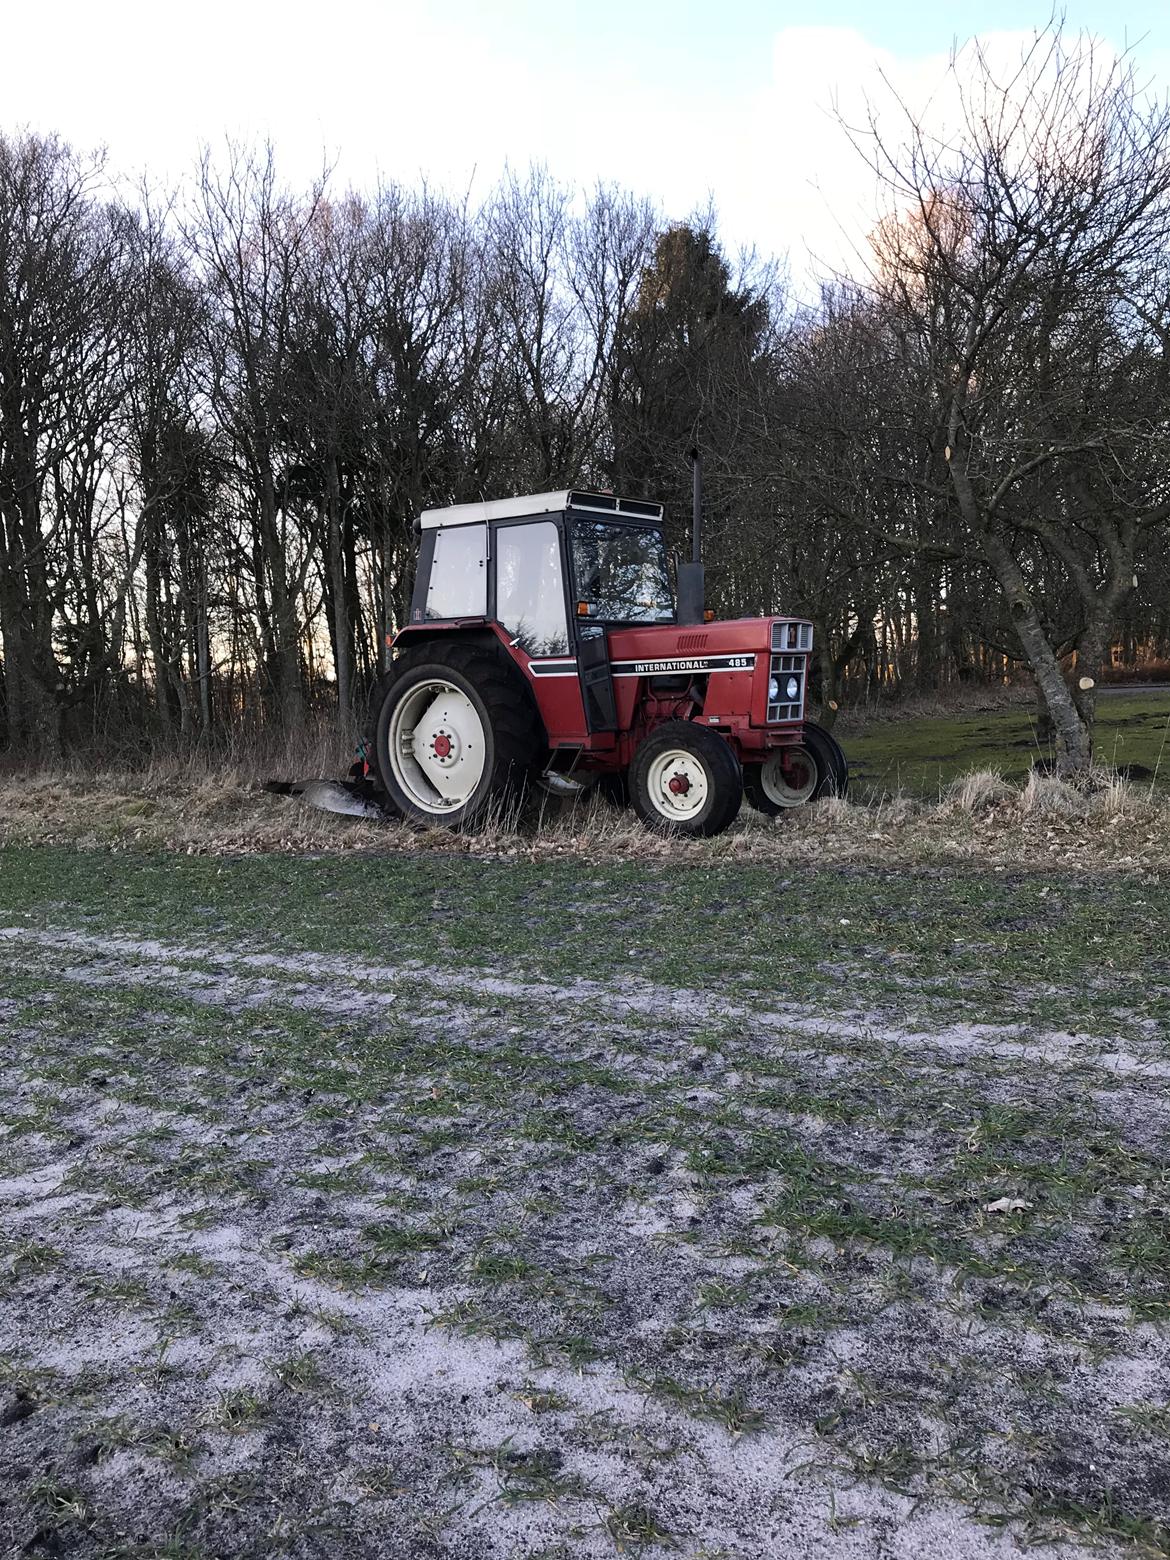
point(62, 597)
point(172, 464)
point(248, 240)
point(1011, 279)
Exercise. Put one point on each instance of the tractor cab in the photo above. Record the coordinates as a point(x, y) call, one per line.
point(544, 641)
point(536, 564)
point(553, 572)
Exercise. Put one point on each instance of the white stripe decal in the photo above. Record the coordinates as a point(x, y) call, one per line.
point(685, 663)
point(566, 666)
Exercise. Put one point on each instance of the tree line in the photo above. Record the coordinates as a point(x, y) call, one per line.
point(222, 408)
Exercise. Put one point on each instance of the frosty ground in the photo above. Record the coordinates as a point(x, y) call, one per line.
point(423, 1205)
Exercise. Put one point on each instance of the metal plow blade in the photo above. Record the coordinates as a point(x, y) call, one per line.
point(349, 798)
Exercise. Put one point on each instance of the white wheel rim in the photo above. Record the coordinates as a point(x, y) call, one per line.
point(781, 789)
point(678, 785)
point(437, 747)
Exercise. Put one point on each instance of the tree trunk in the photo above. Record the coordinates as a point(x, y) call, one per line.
point(1074, 740)
point(926, 636)
point(34, 713)
point(341, 634)
point(285, 664)
point(1094, 642)
point(203, 651)
point(829, 682)
point(158, 652)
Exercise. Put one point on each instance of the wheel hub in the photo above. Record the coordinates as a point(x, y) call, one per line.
point(677, 784)
point(443, 746)
point(797, 768)
point(789, 776)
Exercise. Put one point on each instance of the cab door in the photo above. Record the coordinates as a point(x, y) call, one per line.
point(530, 602)
point(596, 676)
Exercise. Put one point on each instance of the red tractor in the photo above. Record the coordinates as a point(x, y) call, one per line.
point(544, 645)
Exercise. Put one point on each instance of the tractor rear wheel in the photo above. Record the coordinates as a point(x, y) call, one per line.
point(792, 776)
point(457, 734)
point(685, 779)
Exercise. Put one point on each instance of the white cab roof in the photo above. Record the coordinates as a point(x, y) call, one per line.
point(539, 504)
point(496, 509)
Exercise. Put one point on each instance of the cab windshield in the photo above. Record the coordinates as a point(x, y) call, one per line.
point(620, 572)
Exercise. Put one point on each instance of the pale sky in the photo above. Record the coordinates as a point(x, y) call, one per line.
point(677, 99)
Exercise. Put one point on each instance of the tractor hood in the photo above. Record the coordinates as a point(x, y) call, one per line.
point(707, 647)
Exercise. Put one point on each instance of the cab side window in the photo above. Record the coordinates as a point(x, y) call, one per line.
point(530, 587)
point(458, 586)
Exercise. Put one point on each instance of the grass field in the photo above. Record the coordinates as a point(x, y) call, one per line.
point(425, 1205)
point(921, 756)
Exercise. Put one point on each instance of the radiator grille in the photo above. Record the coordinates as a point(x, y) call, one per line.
point(782, 667)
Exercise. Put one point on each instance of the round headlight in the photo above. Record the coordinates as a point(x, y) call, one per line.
point(793, 688)
point(773, 690)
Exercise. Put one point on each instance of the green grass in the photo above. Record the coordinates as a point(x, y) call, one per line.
point(234, 1411)
point(921, 757)
point(926, 943)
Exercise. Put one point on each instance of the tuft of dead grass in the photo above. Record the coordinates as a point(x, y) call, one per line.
point(977, 791)
point(1117, 796)
point(981, 820)
point(1047, 796)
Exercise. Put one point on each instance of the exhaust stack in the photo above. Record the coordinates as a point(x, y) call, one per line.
point(691, 593)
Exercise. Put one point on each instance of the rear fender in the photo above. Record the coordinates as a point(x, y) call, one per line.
point(465, 632)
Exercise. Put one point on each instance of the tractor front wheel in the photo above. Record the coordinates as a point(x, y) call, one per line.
point(457, 735)
point(685, 779)
point(792, 776)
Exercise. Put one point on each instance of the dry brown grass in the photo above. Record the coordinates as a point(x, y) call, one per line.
point(977, 791)
point(1044, 796)
point(980, 821)
point(321, 746)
